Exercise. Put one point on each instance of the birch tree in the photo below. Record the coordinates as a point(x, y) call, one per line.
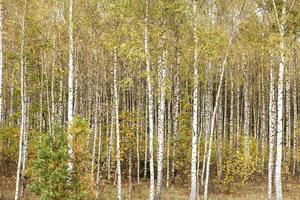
point(23, 104)
point(116, 105)
point(272, 129)
point(281, 27)
point(70, 87)
point(161, 120)
point(193, 194)
point(150, 101)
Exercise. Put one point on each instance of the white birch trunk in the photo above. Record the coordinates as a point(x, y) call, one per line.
point(116, 101)
point(235, 26)
point(138, 143)
point(231, 123)
point(130, 172)
point(161, 123)
point(288, 128)
point(110, 145)
point(95, 132)
point(146, 142)
point(168, 144)
point(150, 103)
point(219, 142)
point(176, 111)
point(281, 26)
point(99, 157)
point(295, 126)
point(23, 106)
point(11, 100)
point(272, 129)
point(70, 89)
point(193, 194)
point(246, 113)
point(263, 121)
point(238, 113)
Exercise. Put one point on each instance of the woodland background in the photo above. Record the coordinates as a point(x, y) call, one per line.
point(149, 99)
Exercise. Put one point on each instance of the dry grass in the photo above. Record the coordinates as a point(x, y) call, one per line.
point(141, 192)
point(291, 192)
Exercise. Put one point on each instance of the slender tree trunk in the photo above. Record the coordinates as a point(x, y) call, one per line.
point(281, 26)
point(116, 106)
point(99, 157)
point(219, 142)
point(168, 144)
point(25, 128)
point(11, 100)
point(150, 103)
point(146, 142)
point(52, 85)
point(70, 90)
point(235, 26)
point(231, 124)
point(288, 126)
point(225, 114)
point(272, 129)
point(23, 105)
point(246, 113)
point(238, 113)
point(161, 122)
point(110, 146)
point(193, 194)
point(130, 172)
point(295, 124)
point(95, 131)
point(138, 143)
point(176, 110)
point(263, 121)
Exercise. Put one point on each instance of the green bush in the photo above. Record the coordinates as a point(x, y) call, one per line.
point(48, 170)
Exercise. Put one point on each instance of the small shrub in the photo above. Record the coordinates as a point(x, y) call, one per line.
point(240, 170)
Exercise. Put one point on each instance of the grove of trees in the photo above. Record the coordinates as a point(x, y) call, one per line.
point(187, 93)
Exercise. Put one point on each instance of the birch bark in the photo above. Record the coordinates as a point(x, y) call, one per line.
point(70, 89)
point(281, 27)
point(272, 129)
point(116, 108)
point(23, 105)
point(150, 102)
point(193, 194)
point(161, 121)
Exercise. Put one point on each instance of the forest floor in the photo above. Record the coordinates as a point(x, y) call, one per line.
point(291, 191)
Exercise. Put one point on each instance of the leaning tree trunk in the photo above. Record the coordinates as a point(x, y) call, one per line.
point(23, 105)
point(217, 103)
